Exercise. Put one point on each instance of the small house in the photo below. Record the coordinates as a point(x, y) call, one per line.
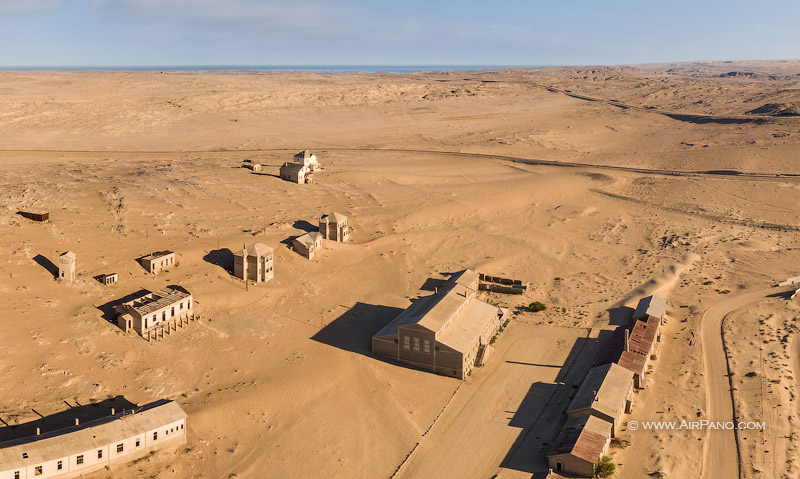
point(579, 446)
point(607, 393)
point(158, 261)
point(108, 279)
point(296, 173)
point(307, 244)
point(334, 227)
point(66, 266)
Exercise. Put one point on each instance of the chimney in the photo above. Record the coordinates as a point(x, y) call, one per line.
point(38, 431)
point(77, 422)
point(627, 338)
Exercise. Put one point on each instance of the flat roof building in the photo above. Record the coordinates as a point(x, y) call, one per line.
point(443, 332)
point(84, 448)
point(581, 443)
point(258, 265)
point(651, 306)
point(606, 393)
point(158, 261)
point(151, 313)
point(308, 244)
point(334, 227)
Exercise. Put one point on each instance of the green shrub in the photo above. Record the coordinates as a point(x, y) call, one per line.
point(537, 306)
point(605, 467)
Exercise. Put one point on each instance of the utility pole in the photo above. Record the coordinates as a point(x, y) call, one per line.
point(321, 318)
point(244, 267)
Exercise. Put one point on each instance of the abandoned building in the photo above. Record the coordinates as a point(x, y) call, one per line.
point(607, 393)
point(307, 159)
point(581, 443)
point(40, 216)
point(108, 279)
point(66, 266)
point(80, 449)
point(158, 261)
point(156, 313)
point(308, 244)
point(296, 173)
point(446, 332)
point(651, 306)
point(254, 263)
point(334, 227)
point(633, 346)
point(256, 167)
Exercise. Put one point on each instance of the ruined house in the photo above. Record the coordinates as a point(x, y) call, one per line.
point(445, 332)
point(158, 261)
point(334, 227)
point(66, 266)
point(254, 263)
point(83, 448)
point(167, 308)
point(606, 393)
point(581, 443)
point(308, 244)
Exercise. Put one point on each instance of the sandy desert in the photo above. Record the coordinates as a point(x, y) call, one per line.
point(597, 185)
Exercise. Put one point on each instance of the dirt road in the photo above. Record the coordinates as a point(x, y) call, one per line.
point(721, 455)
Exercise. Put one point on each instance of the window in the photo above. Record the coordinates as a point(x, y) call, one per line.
point(426, 347)
point(181, 426)
point(416, 345)
point(37, 471)
point(16, 474)
point(99, 453)
point(181, 306)
point(405, 342)
point(120, 448)
point(24, 455)
point(155, 436)
point(137, 443)
point(189, 304)
point(164, 316)
point(79, 459)
point(60, 465)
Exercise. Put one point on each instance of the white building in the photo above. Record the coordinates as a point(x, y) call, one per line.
point(81, 449)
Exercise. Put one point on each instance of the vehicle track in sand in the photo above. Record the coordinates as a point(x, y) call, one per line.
point(725, 174)
point(721, 453)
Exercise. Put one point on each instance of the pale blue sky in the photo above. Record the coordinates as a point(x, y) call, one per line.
point(361, 32)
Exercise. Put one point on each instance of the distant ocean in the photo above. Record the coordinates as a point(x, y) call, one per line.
point(281, 68)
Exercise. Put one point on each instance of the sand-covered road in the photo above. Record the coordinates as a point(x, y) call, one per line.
point(720, 457)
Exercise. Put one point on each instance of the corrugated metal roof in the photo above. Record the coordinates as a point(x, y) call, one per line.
point(633, 362)
point(304, 154)
point(604, 389)
point(654, 306)
point(91, 435)
point(463, 333)
point(643, 336)
point(584, 437)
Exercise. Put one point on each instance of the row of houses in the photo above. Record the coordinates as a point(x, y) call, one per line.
point(595, 414)
point(83, 448)
point(153, 263)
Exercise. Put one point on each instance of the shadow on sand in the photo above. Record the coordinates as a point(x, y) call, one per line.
point(541, 414)
point(220, 257)
point(108, 310)
point(304, 225)
point(46, 264)
point(66, 418)
point(353, 330)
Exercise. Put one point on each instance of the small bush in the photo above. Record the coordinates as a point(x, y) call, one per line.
point(537, 306)
point(605, 467)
